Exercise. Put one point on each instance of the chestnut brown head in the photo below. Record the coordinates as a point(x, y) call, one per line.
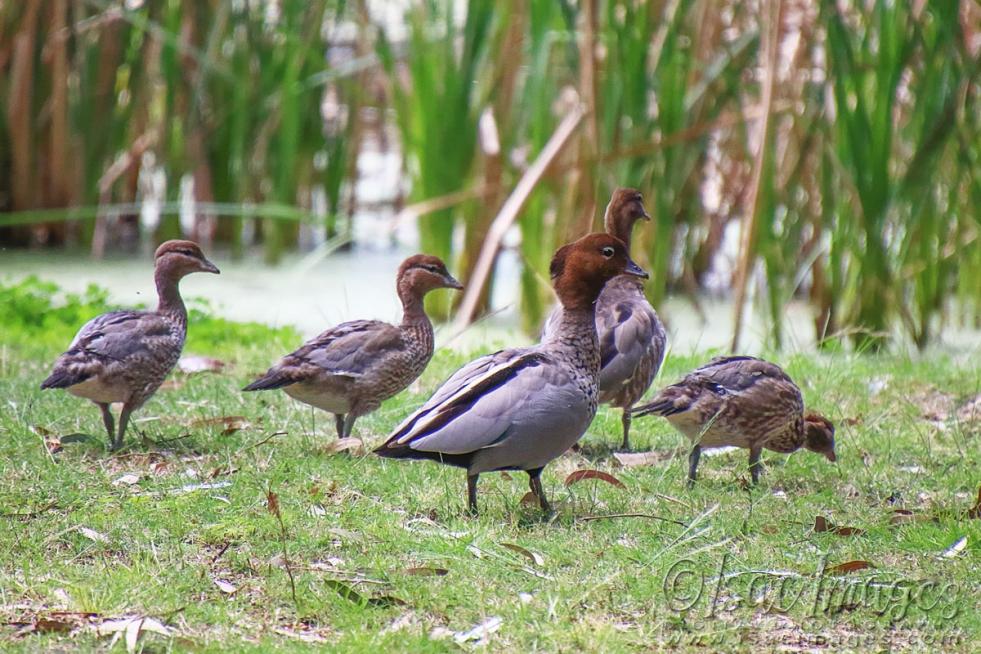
point(422, 273)
point(580, 269)
point(819, 435)
point(626, 207)
point(181, 258)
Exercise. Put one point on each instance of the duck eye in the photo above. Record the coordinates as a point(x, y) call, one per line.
point(607, 252)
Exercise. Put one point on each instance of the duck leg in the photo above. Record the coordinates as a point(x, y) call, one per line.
point(696, 452)
point(535, 483)
point(625, 420)
point(339, 424)
point(472, 494)
point(107, 420)
point(754, 463)
point(123, 421)
point(349, 424)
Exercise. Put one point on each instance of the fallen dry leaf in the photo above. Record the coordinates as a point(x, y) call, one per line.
point(131, 628)
point(352, 445)
point(272, 503)
point(190, 488)
point(426, 571)
point(579, 475)
point(974, 513)
point(172, 385)
point(956, 548)
point(902, 517)
point(126, 480)
point(534, 557)
point(192, 364)
point(222, 471)
point(225, 587)
point(480, 632)
point(93, 535)
point(48, 625)
point(229, 424)
point(822, 524)
point(849, 566)
point(637, 459)
point(529, 499)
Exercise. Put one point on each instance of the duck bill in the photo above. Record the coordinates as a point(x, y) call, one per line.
point(451, 282)
point(635, 270)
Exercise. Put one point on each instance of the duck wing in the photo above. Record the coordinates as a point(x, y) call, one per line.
point(109, 341)
point(349, 350)
point(483, 403)
point(745, 387)
point(630, 336)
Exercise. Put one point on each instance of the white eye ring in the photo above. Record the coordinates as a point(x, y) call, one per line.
point(608, 252)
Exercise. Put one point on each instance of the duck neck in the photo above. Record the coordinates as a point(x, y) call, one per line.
point(576, 333)
point(622, 228)
point(169, 299)
point(415, 320)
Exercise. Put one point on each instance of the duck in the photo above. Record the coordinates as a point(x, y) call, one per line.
point(124, 356)
point(741, 401)
point(350, 369)
point(632, 338)
point(520, 408)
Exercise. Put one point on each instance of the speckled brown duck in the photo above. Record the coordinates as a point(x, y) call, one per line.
point(518, 409)
point(350, 369)
point(631, 336)
point(124, 356)
point(741, 401)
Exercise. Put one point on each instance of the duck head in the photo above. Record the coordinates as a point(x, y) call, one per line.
point(580, 269)
point(819, 435)
point(626, 207)
point(179, 258)
point(422, 273)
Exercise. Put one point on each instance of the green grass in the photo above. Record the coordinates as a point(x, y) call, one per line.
point(377, 526)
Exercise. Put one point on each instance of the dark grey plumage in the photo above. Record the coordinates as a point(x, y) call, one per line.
point(350, 369)
point(124, 356)
point(632, 339)
point(745, 402)
point(518, 409)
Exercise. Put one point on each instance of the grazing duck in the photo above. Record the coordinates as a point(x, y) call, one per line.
point(518, 409)
point(631, 337)
point(124, 356)
point(350, 369)
point(741, 401)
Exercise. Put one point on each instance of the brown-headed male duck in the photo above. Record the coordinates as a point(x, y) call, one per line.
point(519, 409)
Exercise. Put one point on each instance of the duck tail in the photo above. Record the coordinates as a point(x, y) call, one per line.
point(668, 402)
point(62, 378)
point(271, 380)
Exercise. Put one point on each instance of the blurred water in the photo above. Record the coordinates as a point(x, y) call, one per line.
point(360, 284)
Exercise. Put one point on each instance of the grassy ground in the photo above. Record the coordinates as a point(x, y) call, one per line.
point(177, 528)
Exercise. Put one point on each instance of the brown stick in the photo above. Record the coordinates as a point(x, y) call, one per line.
point(509, 213)
point(771, 45)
